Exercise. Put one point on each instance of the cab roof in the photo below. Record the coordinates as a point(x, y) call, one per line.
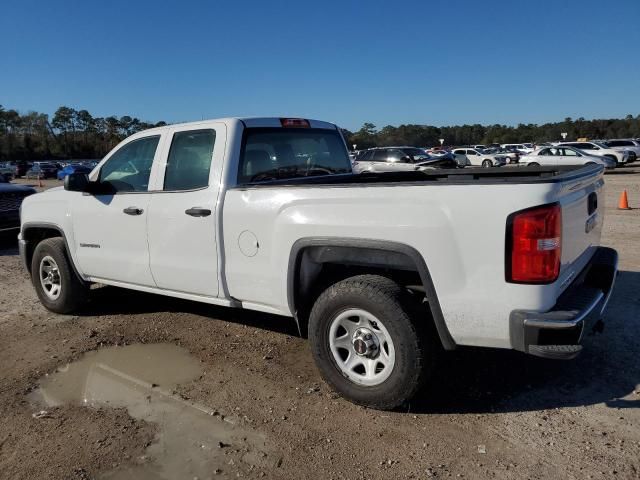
point(250, 122)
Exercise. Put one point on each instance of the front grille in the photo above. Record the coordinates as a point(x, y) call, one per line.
point(9, 220)
point(10, 202)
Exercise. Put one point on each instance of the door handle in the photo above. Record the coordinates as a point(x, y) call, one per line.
point(198, 212)
point(133, 211)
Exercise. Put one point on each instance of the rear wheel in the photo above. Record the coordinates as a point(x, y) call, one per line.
point(533, 164)
point(487, 163)
point(366, 345)
point(55, 282)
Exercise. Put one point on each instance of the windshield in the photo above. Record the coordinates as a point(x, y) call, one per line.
point(600, 144)
point(281, 153)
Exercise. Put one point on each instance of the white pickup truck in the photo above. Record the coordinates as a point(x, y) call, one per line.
point(382, 271)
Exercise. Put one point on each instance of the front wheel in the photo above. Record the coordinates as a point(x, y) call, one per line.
point(366, 345)
point(614, 158)
point(55, 282)
point(533, 164)
point(487, 164)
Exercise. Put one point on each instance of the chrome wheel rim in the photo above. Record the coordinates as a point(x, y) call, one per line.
point(50, 278)
point(369, 364)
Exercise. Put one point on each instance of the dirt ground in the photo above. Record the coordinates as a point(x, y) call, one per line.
point(488, 414)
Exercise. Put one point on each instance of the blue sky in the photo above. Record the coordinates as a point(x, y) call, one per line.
point(429, 62)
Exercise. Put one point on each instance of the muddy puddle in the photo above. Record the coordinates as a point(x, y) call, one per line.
point(193, 441)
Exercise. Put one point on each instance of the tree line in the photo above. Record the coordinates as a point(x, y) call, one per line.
point(428, 135)
point(69, 134)
point(73, 134)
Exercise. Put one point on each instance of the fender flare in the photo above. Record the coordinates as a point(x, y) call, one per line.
point(295, 258)
point(49, 226)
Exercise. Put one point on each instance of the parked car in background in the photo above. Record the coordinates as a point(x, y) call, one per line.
point(565, 155)
point(512, 156)
point(22, 167)
point(11, 197)
point(50, 169)
point(625, 144)
point(72, 169)
point(400, 159)
point(597, 148)
point(42, 170)
point(34, 172)
point(520, 147)
point(7, 171)
point(476, 157)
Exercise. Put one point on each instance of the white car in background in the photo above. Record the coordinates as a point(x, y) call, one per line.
point(564, 155)
point(625, 144)
point(479, 158)
point(521, 147)
point(599, 149)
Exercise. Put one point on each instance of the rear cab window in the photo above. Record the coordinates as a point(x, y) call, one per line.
point(269, 154)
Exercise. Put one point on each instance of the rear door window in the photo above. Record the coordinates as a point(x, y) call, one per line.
point(366, 156)
point(395, 156)
point(189, 160)
point(380, 155)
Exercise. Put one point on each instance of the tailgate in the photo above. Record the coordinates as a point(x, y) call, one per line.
point(582, 203)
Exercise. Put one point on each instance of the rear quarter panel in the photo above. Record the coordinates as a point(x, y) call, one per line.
point(458, 229)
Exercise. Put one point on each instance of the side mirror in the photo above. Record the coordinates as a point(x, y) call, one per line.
point(76, 182)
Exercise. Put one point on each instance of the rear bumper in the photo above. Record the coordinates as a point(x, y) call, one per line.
point(558, 333)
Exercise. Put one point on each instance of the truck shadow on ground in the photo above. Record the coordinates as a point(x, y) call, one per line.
point(117, 301)
point(475, 380)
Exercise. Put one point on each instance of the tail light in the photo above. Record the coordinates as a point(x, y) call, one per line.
point(534, 244)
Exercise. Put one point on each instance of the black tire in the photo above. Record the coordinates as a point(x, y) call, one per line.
point(533, 164)
point(415, 349)
point(73, 291)
point(487, 163)
point(614, 158)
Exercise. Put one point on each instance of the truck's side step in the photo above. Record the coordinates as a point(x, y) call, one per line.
point(555, 352)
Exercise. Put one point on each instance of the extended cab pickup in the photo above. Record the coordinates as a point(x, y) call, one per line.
point(382, 271)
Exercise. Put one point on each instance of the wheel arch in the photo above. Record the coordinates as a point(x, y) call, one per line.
point(33, 233)
point(309, 255)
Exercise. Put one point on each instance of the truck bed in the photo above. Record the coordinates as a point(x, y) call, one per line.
point(473, 175)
